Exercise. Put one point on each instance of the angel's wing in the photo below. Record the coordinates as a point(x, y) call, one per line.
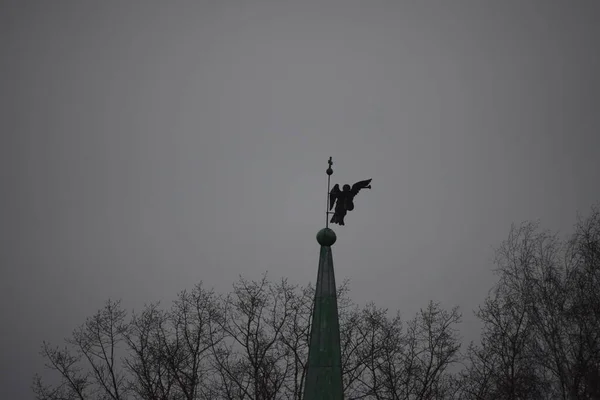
point(333, 195)
point(361, 185)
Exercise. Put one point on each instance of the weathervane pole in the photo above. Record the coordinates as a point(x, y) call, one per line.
point(329, 172)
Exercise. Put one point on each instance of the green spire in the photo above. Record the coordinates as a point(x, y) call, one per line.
point(324, 374)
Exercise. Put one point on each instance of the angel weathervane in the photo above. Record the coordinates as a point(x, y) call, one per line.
point(343, 199)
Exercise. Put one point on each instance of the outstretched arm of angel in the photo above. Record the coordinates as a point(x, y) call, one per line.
point(361, 185)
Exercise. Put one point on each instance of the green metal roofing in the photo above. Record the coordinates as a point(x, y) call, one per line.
point(324, 374)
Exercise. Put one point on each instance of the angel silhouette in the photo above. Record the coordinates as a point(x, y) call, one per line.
point(344, 199)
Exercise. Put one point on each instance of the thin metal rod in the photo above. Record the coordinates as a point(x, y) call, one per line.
point(329, 172)
point(327, 209)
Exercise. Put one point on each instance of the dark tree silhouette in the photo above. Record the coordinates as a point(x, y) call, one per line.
point(541, 335)
point(540, 338)
point(249, 344)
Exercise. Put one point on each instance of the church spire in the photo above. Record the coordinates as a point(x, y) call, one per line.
point(324, 369)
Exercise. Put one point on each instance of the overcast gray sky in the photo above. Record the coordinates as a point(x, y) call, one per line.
point(149, 145)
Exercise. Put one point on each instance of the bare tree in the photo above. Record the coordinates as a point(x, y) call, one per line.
point(295, 336)
point(150, 376)
point(194, 329)
point(478, 379)
point(504, 366)
point(369, 339)
point(404, 361)
point(97, 342)
point(170, 352)
point(434, 345)
point(250, 344)
point(255, 361)
point(541, 326)
point(74, 383)
point(583, 309)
